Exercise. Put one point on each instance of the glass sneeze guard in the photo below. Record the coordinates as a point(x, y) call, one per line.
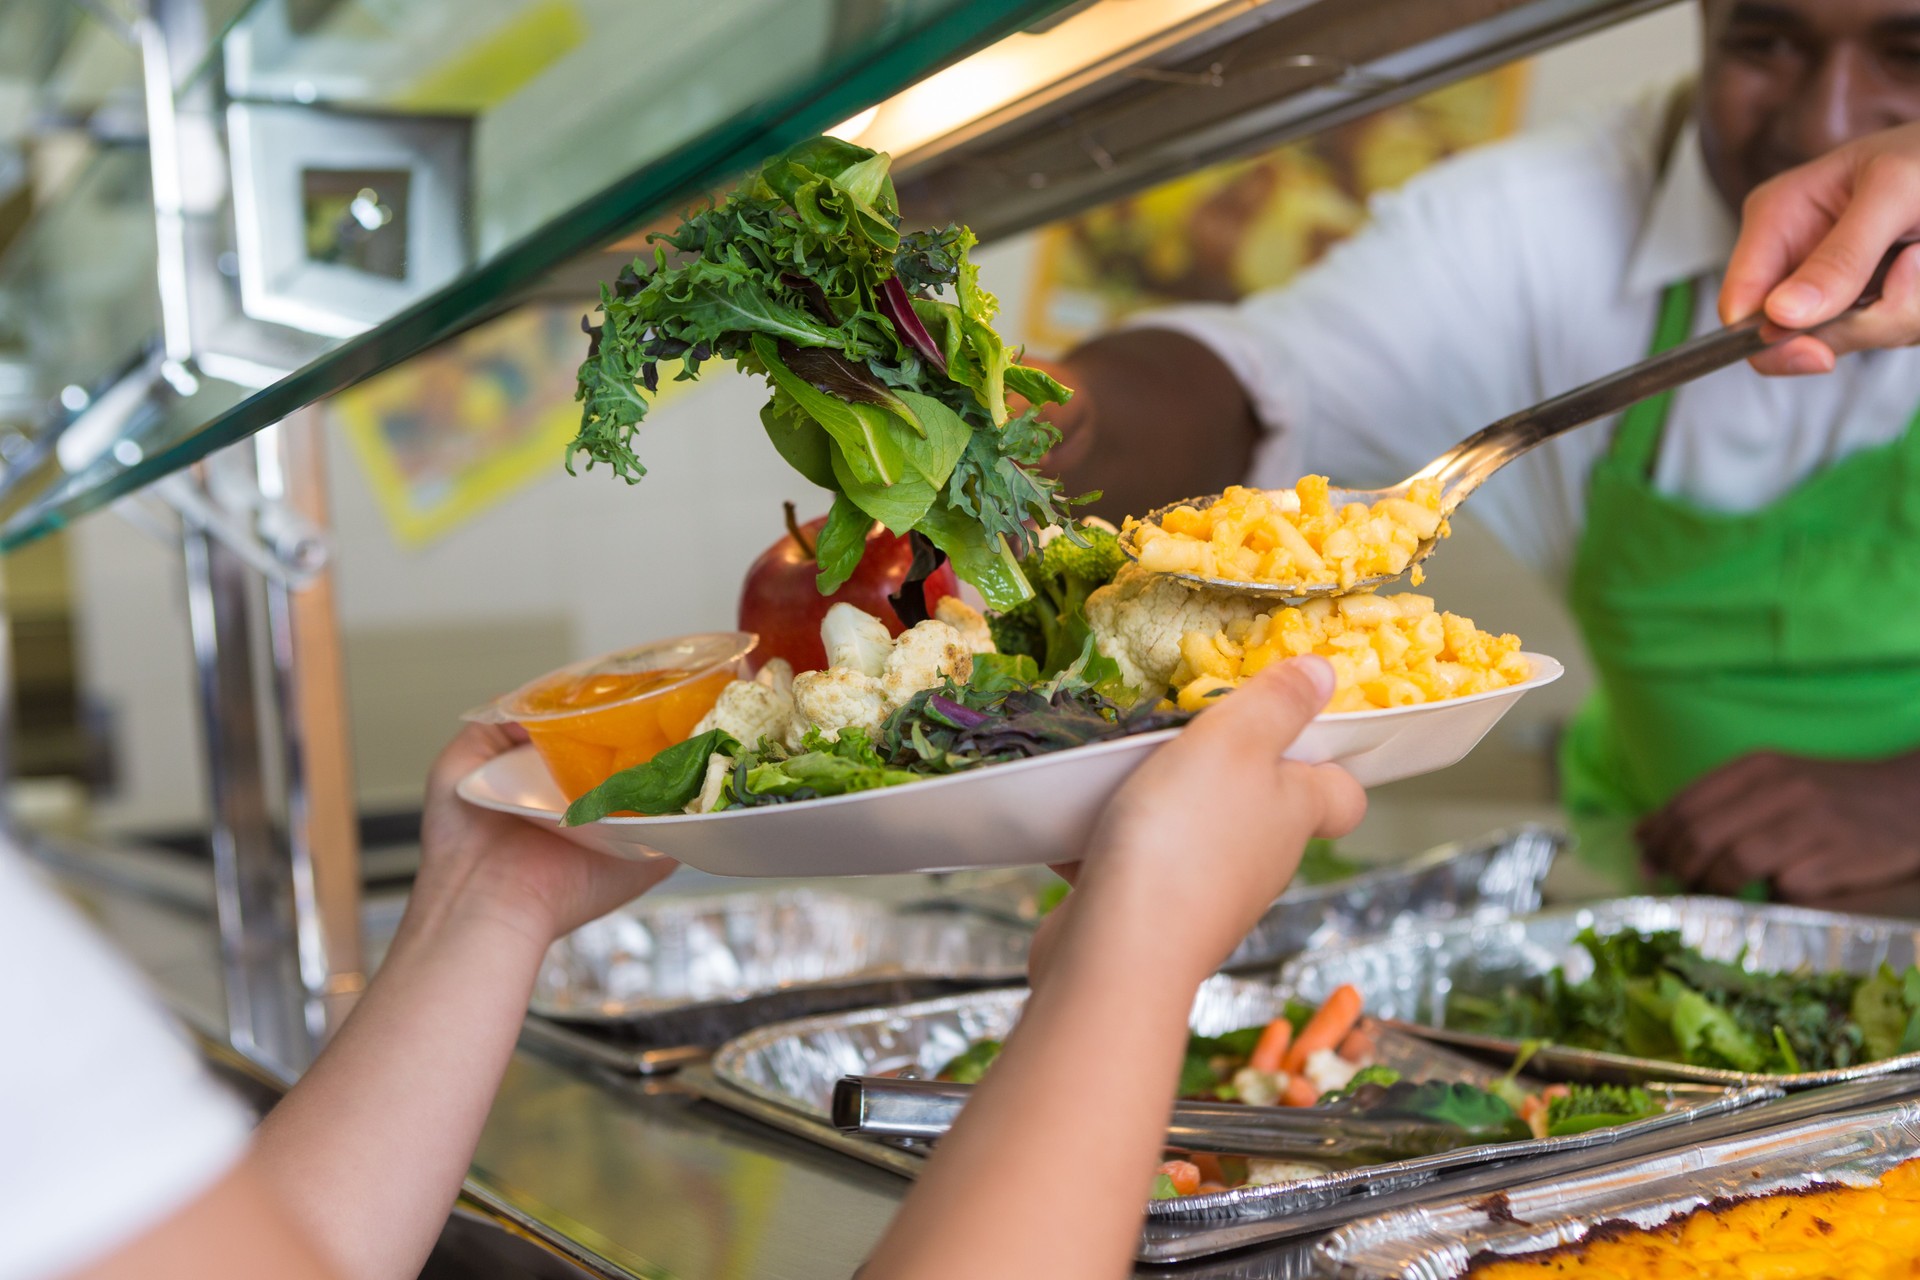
point(554, 137)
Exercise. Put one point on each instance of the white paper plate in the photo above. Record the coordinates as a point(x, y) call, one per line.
point(1030, 811)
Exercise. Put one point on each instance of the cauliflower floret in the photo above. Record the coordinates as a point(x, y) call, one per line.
point(1267, 1173)
point(1255, 1087)
point(778, 676)
point(1329, 1071)
point(835, 699)
point(923, 656)
point(1139, 617)
point(968, 621)
point(855, 640)
point(718, 766)
point(749, 711)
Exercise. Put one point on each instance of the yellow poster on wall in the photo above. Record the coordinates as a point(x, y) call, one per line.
point(1248, 225)
point(447, 434)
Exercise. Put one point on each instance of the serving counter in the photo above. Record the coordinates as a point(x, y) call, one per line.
point(625, 1174)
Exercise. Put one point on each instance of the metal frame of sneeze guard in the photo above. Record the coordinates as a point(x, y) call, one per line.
point(251, 525)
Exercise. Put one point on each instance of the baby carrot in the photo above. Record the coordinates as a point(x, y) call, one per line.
point(1358, 1047)
point(1184, 1176)
point(1272, 1047)
point(1299, 1092)
point(1327, 1027)
point(1209, 1167)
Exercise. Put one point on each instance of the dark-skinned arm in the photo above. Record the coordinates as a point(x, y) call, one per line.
point(1155, 417)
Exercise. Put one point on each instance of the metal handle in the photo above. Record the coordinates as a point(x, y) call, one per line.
point(890, 1107)
point(1462, 469)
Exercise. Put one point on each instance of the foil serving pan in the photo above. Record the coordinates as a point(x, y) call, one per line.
point(659, 984)
point(1488, 875)
point(1444, 1240)
point(1500, 873)
point(672, 955)
point(795, 1066)
point(1408, 977)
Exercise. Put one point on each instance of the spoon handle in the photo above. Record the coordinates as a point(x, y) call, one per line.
point(1462, 469)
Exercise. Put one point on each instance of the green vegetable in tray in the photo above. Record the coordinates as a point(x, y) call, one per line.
point(889, 384)
point(972, 1062)
point(1322, 864)
point(1585, 1107)
point(1654, 997)
point(1378, 1074)
point(1465, 1106)
point(1887, 1007)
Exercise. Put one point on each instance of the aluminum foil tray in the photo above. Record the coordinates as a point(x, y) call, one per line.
point(661, 983)
point(1443, 1240)
point(1499, 873)
point(795, 1066)
point(671, 955)
point(1408, 977)
point(1496, 874)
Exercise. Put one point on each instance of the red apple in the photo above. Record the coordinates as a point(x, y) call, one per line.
point(781, 601)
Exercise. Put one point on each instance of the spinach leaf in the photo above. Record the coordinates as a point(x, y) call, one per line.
point(803, 442)
point(667, 783)
point(842, 541)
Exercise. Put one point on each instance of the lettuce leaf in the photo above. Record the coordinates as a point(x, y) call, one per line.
point(667, 783)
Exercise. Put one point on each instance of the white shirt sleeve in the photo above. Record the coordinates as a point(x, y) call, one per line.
point(108, 1124)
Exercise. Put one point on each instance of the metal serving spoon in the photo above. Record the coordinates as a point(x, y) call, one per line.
point(1466, 466)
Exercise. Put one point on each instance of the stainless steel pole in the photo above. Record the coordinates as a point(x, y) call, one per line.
point(310, 678)
point(267, 1004)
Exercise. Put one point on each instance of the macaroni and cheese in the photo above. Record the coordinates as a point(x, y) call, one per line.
point(1292, 537)
point(1388, 651)
point(1862, 1233)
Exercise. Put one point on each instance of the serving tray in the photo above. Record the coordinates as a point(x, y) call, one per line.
point(785, 1074)
point(663, 981)
point(1408, 977)
point(1443, 1241)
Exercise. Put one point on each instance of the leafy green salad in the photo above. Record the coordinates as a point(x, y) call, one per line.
point(1652, 996)
point(1004, 711)
point(889, 385)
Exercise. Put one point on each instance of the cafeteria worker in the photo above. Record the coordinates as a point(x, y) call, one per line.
point(1742, 556)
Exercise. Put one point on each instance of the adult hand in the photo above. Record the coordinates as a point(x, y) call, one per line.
point(1809, 242)
point(507, 867)
point(1208, 832)
point(1813, 830)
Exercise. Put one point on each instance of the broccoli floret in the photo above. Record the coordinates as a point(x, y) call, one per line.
point(1597, 1106)
point(1086, 554)
point(1017, 631)
point(1052, 627)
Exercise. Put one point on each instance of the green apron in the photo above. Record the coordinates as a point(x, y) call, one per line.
point(1795, 627)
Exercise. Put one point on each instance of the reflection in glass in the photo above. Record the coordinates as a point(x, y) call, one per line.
point(357, 219)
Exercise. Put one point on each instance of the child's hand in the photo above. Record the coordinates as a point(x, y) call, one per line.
point(503, 866)
point(1207, 833)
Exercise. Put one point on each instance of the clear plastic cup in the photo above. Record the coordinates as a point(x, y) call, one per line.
point(592, 719)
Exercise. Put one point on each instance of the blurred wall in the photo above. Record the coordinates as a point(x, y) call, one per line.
point(569, 566)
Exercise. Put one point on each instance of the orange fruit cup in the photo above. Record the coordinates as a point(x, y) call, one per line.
point(592, 719)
